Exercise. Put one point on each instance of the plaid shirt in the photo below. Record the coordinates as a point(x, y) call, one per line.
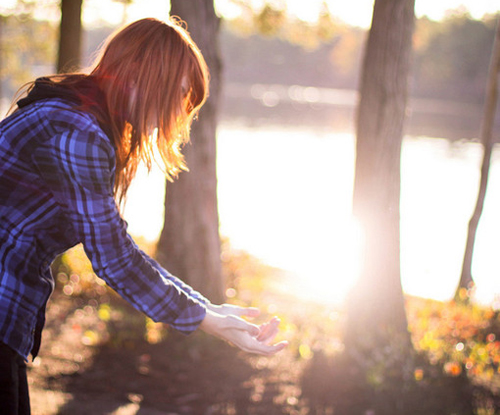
point(56, 190)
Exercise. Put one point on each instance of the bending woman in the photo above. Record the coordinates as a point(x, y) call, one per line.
point(67, 154)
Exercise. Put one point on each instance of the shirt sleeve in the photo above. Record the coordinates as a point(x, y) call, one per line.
point(77, 164)
point(179, 283)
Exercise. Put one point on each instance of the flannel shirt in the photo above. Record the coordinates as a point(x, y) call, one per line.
point(56, 190)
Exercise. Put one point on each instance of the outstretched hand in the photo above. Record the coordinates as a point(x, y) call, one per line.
point(224, 321)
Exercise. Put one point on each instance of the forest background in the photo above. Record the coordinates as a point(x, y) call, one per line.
point(293, 74)
point(450, 62)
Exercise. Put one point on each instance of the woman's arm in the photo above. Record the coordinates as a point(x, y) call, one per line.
point(76, 164)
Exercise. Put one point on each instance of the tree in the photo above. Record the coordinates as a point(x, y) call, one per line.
point(466, 280)
point(376, 310)
point(189, 244)
point(70, 36)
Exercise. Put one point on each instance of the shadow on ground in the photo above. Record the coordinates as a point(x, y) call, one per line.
point(193, 374)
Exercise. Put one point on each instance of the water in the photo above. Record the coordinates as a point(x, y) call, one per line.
point(285, 197)
point(440, 181)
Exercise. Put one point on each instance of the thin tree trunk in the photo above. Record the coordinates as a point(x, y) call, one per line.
point(189, 244)
point(376, 310)
point(70, 36)
point(466, 280)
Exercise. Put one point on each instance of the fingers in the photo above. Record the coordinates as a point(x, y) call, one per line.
point(225, 322)
point(269, 330)
point(259, 343)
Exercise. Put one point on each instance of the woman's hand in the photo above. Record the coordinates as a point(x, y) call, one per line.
point(225, 322)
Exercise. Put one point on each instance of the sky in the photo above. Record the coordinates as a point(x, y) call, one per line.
point(354, 12)
point(359, 12)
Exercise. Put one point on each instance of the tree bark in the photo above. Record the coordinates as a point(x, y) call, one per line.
point(70, 36)
point(376, 309)
point(189, 245)
point(466, 279)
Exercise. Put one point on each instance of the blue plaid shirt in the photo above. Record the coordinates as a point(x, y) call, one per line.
point(56, 190)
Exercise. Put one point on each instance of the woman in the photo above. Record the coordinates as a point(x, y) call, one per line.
point(67, 153)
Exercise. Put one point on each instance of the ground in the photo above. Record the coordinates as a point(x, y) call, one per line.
point(76, 373)
point(101, 357)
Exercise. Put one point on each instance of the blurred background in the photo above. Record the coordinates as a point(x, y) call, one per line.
point(286, 152)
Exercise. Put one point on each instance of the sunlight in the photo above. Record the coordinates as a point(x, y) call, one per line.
point(486, 263)
point(436, 204)
point(358, 13)
point(285, 197)
point(144, 210)
point(279, 212)
point(9, 4)
point(96, 11)
point(275, 205)
point(433, 233)
point(329, 275)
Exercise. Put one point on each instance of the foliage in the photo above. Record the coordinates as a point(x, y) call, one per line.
point(452, 56)
point(455, 369)
point(272, 20)
point(27, 45)
point(462, 338)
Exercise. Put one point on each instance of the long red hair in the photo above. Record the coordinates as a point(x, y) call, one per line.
point(155, 80)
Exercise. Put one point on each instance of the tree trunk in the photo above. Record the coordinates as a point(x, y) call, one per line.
point(189, 245)
point(70, 36)
point(466, 280)
point(376, 309)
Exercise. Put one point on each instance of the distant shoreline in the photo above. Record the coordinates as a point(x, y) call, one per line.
point(334, 109)
point(329, 109)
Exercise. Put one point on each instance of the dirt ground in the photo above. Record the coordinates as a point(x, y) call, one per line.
point(103, 359)
point(77, 373)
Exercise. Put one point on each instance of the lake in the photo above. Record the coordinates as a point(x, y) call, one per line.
point(285, 197)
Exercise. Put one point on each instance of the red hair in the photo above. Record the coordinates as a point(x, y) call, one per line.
point(155, 80)
point(154, 77)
